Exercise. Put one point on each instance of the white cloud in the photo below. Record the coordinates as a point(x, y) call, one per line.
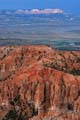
point(38, 11)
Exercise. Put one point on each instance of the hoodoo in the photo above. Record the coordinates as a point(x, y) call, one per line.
point(39, 83)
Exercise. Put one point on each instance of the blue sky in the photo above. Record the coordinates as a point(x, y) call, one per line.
point(70, 6)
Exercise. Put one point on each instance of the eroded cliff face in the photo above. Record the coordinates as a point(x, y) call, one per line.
point(39, 83)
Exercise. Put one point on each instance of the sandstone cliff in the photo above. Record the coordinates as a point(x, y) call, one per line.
point(39, 83)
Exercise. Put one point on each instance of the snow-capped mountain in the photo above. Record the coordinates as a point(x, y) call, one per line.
point(53, 14)
point(39, 26)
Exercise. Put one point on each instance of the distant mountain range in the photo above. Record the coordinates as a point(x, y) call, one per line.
point(34, 11)
point(48, 26)
point(53, 14)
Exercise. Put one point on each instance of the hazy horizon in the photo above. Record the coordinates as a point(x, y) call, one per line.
point(36, 22)
point(69, 6)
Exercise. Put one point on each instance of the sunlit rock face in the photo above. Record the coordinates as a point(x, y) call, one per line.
point(39, 83)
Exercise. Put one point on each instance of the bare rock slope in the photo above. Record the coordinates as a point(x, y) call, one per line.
point(39, 83)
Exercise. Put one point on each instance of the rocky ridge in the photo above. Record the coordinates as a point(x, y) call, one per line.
point(39, 83)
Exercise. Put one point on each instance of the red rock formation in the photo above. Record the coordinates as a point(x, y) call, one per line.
point(39, 83)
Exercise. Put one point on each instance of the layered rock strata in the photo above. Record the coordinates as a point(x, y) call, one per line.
point(39, 83)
